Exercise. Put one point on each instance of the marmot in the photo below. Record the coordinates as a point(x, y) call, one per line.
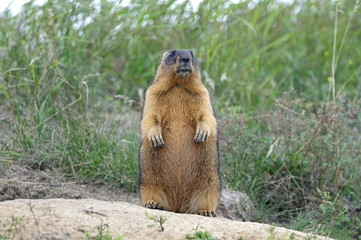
point(178, 156)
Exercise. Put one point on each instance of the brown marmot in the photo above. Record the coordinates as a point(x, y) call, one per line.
point(178, 156)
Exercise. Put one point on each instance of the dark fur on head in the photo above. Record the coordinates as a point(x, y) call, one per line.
point(183, 59)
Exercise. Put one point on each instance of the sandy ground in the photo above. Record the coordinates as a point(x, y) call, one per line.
point(72, 218)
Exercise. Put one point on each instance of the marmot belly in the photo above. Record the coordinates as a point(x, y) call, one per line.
point(181, 164)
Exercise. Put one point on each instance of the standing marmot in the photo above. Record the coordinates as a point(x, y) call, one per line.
point(178, 156)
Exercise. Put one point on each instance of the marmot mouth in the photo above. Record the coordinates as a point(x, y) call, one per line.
point(184, 71)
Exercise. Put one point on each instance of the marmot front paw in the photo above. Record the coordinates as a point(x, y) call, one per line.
point(155, 137)
point(201, 135)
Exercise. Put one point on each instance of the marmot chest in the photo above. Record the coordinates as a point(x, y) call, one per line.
point(179, 106)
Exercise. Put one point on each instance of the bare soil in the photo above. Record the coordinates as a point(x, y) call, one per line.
point(71, 219)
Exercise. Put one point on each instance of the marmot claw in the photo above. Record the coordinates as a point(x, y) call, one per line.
point(153, 205)
point(207, 213)
point(201, 135)
point(156, 140)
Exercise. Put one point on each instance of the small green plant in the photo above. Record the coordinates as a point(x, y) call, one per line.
point(31, 207)
point(13, 228)
point(156, 219)
point(292, 237)
point(16, 221)
point(103, 233)
point(310, 236)
point(204, 235)
point(330, 212)
point(273, 234)
point(334, 215)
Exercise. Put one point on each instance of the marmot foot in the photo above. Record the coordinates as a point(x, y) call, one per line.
point(207, 213)
point(153, 205)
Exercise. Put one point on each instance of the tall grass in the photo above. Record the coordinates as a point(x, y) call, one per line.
point(249, 52)
point(52, 123)
point(73, 76)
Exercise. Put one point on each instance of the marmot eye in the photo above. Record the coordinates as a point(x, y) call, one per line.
point(171, 54)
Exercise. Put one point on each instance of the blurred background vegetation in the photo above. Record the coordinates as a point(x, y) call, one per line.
point(73, 76)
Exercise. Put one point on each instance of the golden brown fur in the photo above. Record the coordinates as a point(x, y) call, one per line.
point(178, 158)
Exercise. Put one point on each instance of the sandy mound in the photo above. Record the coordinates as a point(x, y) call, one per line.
point(71, 219)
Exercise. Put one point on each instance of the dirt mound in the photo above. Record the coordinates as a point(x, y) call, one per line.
point(72, 219)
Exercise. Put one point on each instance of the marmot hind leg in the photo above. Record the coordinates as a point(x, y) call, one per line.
point(205, 203)
point(153, 197)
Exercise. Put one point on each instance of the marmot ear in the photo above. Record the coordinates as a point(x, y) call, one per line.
point(165, 54)
point(191, 53)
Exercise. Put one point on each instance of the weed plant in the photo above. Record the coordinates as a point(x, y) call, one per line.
point(73, 76)
point(158, 220)
point(202, 235)
point(103, 233)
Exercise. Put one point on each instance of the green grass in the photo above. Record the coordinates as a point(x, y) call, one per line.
point(251, 52)
point(103, 233)
point(202, 235)
point(299, 163)
point(73, 76)
point(158, 220)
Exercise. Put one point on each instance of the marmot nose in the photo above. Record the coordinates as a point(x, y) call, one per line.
point(184, 59)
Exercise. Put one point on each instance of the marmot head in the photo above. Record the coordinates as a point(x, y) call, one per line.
point(180, 62)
